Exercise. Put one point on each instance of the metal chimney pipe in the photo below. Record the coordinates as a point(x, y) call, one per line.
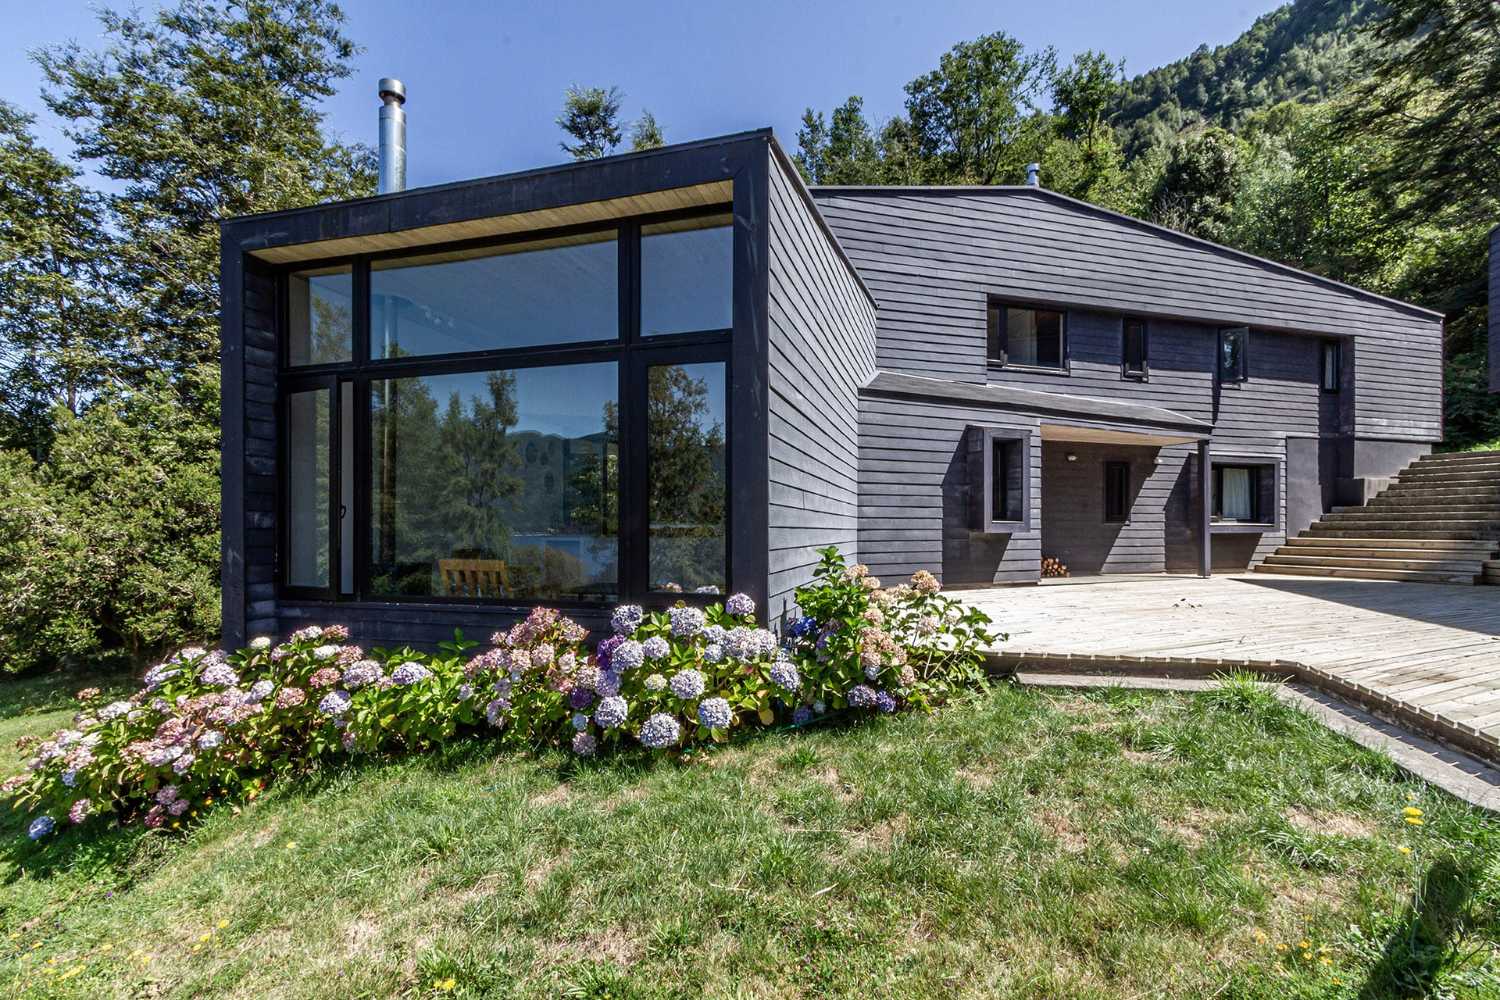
point(1033, 174)
point(392, 136)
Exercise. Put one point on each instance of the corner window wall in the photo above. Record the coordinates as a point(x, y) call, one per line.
point(533, 420)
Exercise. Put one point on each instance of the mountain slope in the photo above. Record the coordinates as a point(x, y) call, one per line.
point(1303, 51)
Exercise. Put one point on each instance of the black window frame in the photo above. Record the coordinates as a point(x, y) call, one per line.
point(995, 351)
point(1331, 366)
point(1116, 492)
point(1258, 486)
point(1143, 372)
point(632, 353)
point(1241, 374)
point(982, 441)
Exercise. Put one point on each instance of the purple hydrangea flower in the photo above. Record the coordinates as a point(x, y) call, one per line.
point(686, 621)
point(80, 811)
point(259, 691)
point(40, 827)
point(656, 647)
point(159, 675)
point(611, 712)
point(220, 675)
point(861, 696)
point(465, 692)
point(362, 674)
point(660, 731)
point(181, 764)
point(606, 649)
point(872, 671)
point(714, 633)
point(885, 702)
point(740, 605)
point(584, 744)
point(494, 712)
point(801, 715)
point(784, 675)
point(745, 644)
point(608, 684)
point(334, 703)
point(627, 618)
point(210, 739)
point(410, 673)
point(114, 710)
point(687, 684)
point(627, 656)
point(803, 626)
point(715, 713)
point(713, 652)
point(581, 697)
point(656, 682)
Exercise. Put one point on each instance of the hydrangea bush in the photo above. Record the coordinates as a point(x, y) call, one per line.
point(209, 725)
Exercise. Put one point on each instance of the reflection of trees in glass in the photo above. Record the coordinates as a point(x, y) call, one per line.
point(685, 482)
point(332, 326)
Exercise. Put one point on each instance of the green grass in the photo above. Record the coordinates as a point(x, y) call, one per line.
point(1018, 843)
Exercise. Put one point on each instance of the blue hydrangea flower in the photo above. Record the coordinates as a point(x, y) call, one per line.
point(219, 675)
point(740, 605)
point(159, 675)
point(627, 656)
point(494, 712)
point(213, 738)
point(686, 621)
point(580, 722)
point(872, 671)
point(627, 618)
point(334, 703)
point(259, 692)
point(819, 707)
point(656, 647)
point(745, 644)
point(885, 702)
point(784, 675)
point(611, 712)
point(687, 684)
point(40, 827)
point(584, 744)
point(861, 696)
point(410, 673)
point(713, 652)
point(660, 731)
point(802, 627)
point(715, 713)
point(801, 715)
point(608, 684)
point(361, 674)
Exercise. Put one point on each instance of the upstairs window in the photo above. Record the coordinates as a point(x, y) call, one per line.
point(1234, 355)
point(1333, 365)
point(1026, 337)
point(687, 276)
point(1133, 347)
point(320, 316)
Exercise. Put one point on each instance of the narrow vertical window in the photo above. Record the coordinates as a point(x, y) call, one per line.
point(1133, 346)
point(320, 316)
point(1116, 492)
point(307, 484)
point(1234, 350)
point(999, 480)
point(687, 276)
point(686, 480)
point(1332, 365)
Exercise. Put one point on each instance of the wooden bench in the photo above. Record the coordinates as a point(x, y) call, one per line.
point(474, 577)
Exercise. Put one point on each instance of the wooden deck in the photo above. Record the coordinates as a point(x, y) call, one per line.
point(1432, 648)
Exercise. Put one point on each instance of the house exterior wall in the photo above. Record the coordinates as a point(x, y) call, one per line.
point(821, 342)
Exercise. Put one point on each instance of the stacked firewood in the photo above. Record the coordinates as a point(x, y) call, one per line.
point(1052, 566)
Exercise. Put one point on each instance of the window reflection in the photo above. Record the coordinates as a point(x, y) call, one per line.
point(320, 315)
point(496, 485)
point(687, 275)
point(686, 477)
point(555, 291)
point(308, 484)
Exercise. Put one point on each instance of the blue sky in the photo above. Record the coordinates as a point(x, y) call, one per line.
point(485, 79)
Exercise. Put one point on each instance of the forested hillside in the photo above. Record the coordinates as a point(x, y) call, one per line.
point(1304, 52)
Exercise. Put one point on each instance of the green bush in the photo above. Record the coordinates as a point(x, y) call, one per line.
point(110, 550)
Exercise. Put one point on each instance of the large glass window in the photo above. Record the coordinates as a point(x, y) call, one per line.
point(308, 488)
point(556, 291)
point(320, 316)
point(687, 276)
point(686, 480)
point(1026, 337)
point(496, 484)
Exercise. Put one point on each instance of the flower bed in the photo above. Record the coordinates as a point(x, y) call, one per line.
point(207, 726)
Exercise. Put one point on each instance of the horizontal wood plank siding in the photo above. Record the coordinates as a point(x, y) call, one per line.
point(931, 258)
point(821, 350)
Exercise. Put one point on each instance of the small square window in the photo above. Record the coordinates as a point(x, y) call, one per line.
point(1116, 492)
point(1241, 493)
point(1234, 355)
point(1333, 365)
point(1026, 337)
point(1133, 347)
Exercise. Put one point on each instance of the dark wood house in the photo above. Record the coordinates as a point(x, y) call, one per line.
point(676, 373)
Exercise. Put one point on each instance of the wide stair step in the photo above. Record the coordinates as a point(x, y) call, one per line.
point(1439, 522)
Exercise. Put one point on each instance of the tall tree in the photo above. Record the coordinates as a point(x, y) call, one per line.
point(978, 113)
point(646, 133)
point(58, 322)
point(1086, 96)
point(203, 111)
point(843, 152)
point(591, 115)
point(1197, 188)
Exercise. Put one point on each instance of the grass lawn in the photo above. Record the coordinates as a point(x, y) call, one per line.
point(1019, 843)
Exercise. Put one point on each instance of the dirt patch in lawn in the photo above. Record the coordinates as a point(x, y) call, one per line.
point(1063, 830)
point(554, 796)
point(612, 945)
point(1330, 824)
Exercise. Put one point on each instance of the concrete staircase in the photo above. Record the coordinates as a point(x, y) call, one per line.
point(1439, 523)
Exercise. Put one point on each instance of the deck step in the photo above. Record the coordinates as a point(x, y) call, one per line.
point(1469, 567)
point(1408, 509)
point(1479, 549)
point(1379, 519)
point(1492, 571)
point(1373, 550)
point(1403, 575)
point(1319, 530)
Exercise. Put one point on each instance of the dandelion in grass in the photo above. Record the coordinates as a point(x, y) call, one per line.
point(715, 713)
point(611, 712)
point(687, 684)
point(660, 731)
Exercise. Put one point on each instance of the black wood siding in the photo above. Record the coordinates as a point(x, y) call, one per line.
point(822, 349)
point(932, 257)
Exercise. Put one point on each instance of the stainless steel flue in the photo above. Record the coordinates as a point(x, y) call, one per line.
point(1033, 174)
point(392, 136)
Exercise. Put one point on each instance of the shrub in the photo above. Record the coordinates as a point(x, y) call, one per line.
point(209, 725)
